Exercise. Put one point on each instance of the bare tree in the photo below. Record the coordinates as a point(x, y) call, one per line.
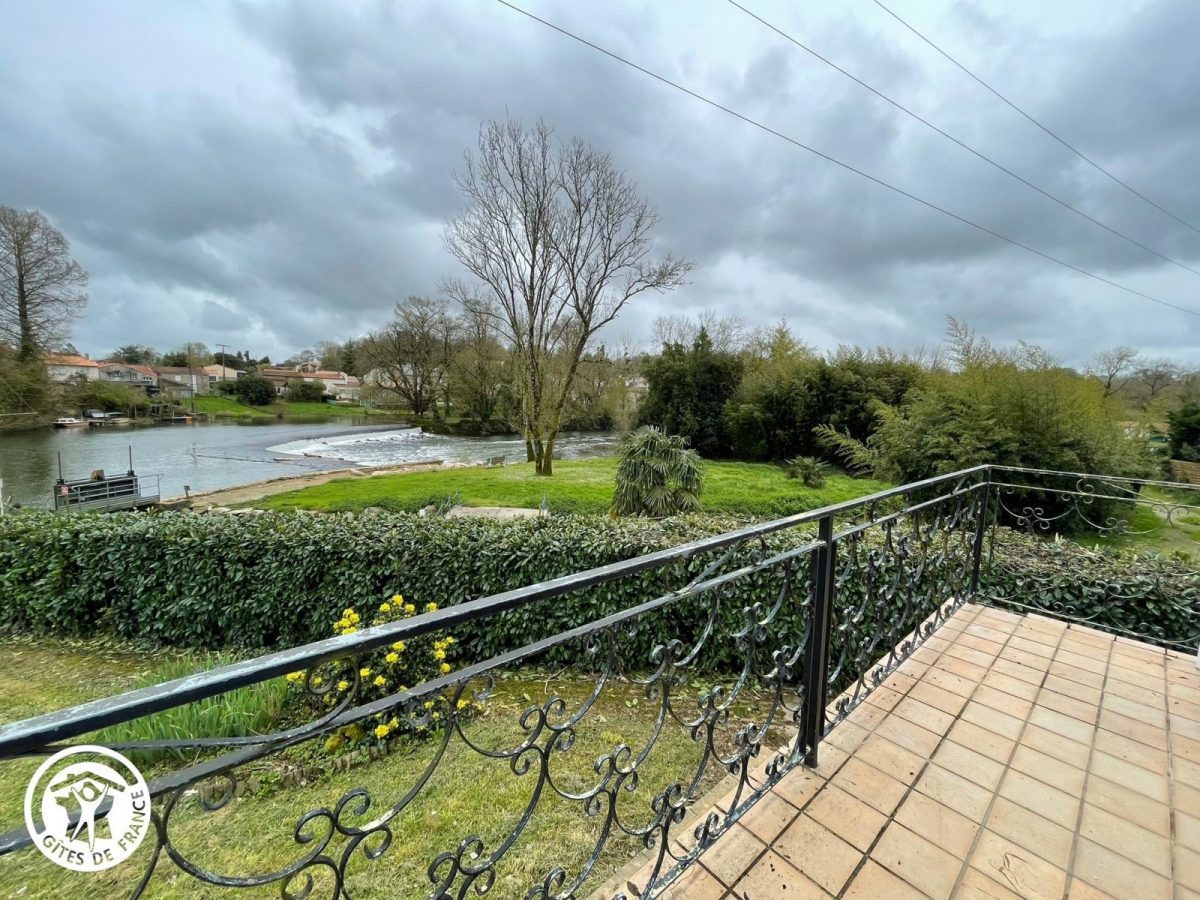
point(1156, 375)
point(1112, 368)
point(558, 242)
point(727, 334)
point(407, 356)
point(480, 366)
point(41, 288)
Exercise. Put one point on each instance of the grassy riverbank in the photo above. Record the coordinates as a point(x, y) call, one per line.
point(229, 407)
point(467, 794)
point(583, 486)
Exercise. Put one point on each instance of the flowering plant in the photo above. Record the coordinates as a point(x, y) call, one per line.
point(381, 673)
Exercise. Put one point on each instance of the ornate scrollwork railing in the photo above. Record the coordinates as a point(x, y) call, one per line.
point(780, 630)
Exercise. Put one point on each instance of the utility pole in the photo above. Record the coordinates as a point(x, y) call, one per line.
point(222, 348)
point(191, 377)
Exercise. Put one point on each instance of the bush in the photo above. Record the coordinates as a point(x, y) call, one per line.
point(254, 390)
point(1184, 432)
point(306, 392)
point(657, 476)
point(810, 470)
point(227, 388)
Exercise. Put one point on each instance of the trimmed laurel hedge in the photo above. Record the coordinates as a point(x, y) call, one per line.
point(278, 579)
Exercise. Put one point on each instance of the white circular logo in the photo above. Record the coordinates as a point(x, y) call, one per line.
point(93, 806)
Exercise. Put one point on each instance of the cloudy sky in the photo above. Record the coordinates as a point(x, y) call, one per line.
point(268, 175)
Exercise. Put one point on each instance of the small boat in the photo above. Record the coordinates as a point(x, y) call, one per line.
point(69, 422)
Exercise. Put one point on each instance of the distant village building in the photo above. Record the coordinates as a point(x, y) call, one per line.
point(63, 368)
point(135, 375)
point(340, 385)
point(218, 373)
point(180, 381)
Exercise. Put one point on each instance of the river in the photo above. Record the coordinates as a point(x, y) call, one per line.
point(211, 455)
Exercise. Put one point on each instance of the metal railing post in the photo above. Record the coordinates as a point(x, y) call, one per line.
point(816, 677)
point(980, 532)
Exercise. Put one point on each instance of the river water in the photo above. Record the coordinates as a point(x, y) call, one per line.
point(211, 455)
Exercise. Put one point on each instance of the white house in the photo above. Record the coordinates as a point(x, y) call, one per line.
point(128, 373)
point(63, 368)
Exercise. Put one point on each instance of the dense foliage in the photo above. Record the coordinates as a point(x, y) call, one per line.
point(658, 475)
point(254, 390)
point(277, 580)
point(305, 392)
point(1184, 432)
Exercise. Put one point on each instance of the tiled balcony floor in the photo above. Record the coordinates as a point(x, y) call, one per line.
point(1011, 756)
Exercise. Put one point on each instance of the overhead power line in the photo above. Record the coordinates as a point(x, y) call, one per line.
point(837, 162)
point(1087, 159)
point(904, 109)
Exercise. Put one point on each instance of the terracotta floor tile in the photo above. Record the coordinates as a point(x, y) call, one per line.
point(818, 853)
point(773, 877)
point(1186, 727)
point(993, 746)
point(986, 717)
point(866, 716)
point(874, 882)
point(932, 695)
point(970, 765)
point(1133, 729)
point(870, 785)
point(961, 668)
point(769, 816)
point(1073, 689)
point(940, 824)
point(1004, 702)
point(1136, 778)
point(971, 655)
point(1131, 751)
point(1068, 727)
point(910, 736)
point(846, 737)
point(1068, 706)
point(977, 886)
point(1186, 771)
point(1015, 868)
point(1129, 804)
point(1037, 835)
point(956, 792)
point(1033, 661)
point(982, 644)
point(995, 635)
point(1009, 685)
point(948, 681)
point(1052, 744)
point(1135, 693)
point(1111, 830)
point(891, 759)
point(1013, 669)
point(1081, 890)
point(1081, 661)
point(1037, 648)
point(900, 682)
point(732, 854)
point(1187, 867)
point(1121, 877)
point(846, 816)
point(695, 884)
point(1149, 715)
point(1187, 827)
point(1185, 747)
point(1048, 802)
point(1080, 676)
point(829, 760)
point(799, 786)
point(884, 698)
point(919, 862)
point(1049, 770)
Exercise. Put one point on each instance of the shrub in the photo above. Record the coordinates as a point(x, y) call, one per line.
point(810, 470)
point(306, 392)
point(254, 390)
point(227, 388)
point(1184, 432)
point(657, 476)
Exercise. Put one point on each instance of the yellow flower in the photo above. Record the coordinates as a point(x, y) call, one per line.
point(436, 716)
point(394, 724)
point(445, 668)
point(385, 607)
point(429, 704)
point(439, 654)
point(392, 658)
point(316, 681)
point(399, 646)
point(380, 681)
point(347, 612)
point(293, 677)
point(449, 640)
point(397, 598)
point(364, 672)
point(409, 608)
point(430, 607)
point(343, 685)
point(381, 731)
point(464, 703)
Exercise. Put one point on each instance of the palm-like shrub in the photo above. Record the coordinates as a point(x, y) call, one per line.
point(658, 475)
point(810, 470)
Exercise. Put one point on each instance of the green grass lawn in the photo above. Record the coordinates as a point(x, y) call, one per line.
point(229, 407)
point(1151, 529)
point(577, 486)
point(467, 795)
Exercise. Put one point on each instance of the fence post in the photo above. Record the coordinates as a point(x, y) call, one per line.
point(817, 653)
point(980, 533)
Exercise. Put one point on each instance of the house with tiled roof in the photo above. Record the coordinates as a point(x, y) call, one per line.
point(133, 374)
point(62, 367)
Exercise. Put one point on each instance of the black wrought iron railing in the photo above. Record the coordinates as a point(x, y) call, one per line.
point(770, 636)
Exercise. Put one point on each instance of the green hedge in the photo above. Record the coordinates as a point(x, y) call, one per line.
point(280, 579)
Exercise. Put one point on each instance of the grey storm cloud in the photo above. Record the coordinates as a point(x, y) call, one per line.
point(271, 174)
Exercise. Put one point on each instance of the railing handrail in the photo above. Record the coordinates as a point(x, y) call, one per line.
point(20, 737)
